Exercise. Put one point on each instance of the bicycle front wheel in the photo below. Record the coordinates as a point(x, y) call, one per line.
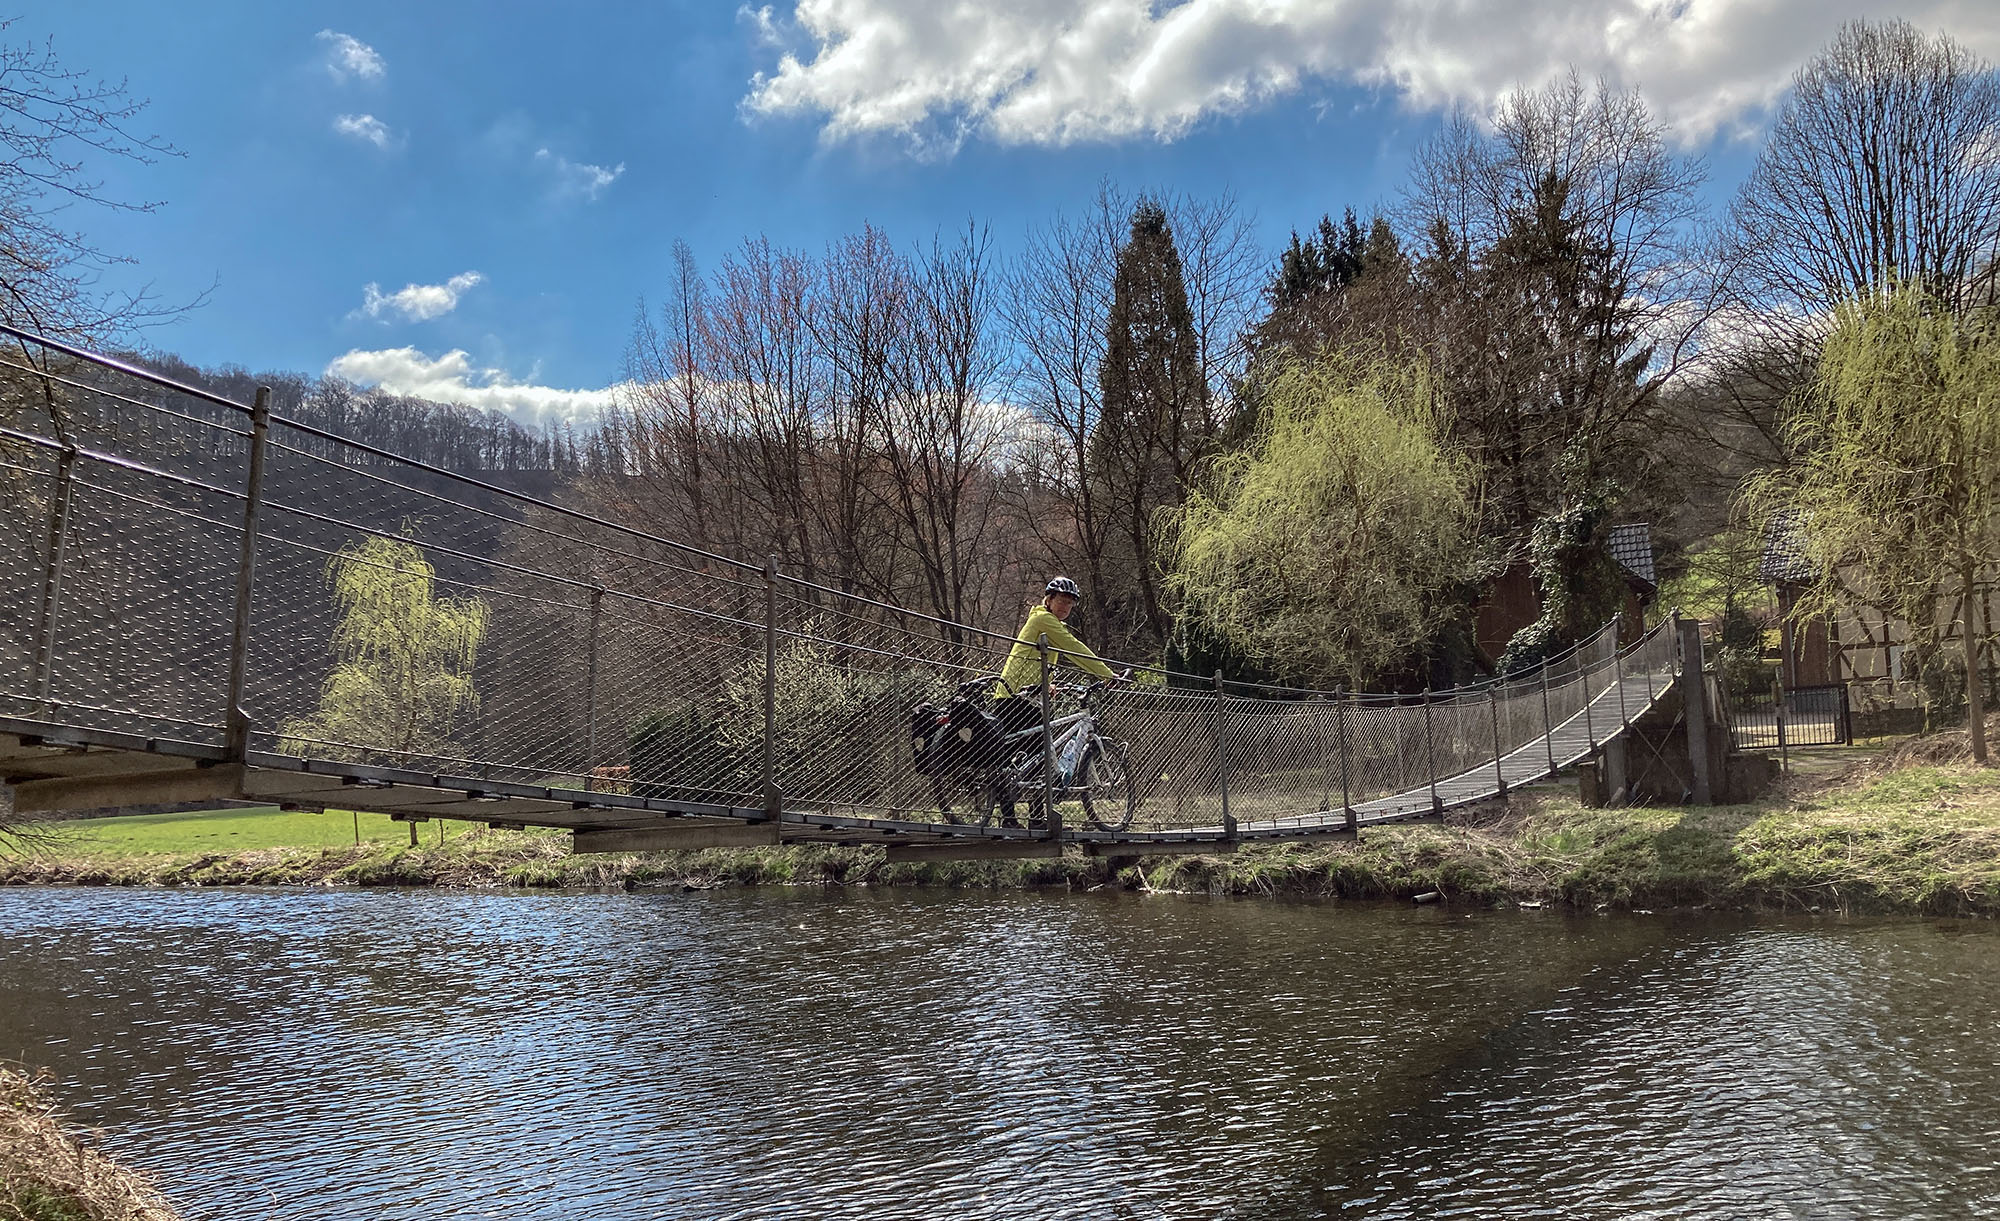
point(1108, 799)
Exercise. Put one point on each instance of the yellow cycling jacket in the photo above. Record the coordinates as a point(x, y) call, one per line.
point(1024, 662)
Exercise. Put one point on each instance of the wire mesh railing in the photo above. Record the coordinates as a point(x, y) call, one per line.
point(201, 571)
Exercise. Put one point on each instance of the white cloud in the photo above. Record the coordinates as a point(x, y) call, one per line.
point(418, 302)
point(453, 378)
point(348, 56)
point(1053, 72)
point(364, 127)
point(576, 177)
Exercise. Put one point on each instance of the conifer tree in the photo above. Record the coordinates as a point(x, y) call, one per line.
point(1155, 426)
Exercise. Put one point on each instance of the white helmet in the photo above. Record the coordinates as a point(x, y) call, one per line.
point(1062, 585)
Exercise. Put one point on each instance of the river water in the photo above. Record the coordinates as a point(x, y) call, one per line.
point(777, 1053)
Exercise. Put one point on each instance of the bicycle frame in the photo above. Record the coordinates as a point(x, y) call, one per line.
point(1026, 772)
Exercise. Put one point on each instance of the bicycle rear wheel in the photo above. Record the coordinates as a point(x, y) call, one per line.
point(965, 799)
point(1108, 799)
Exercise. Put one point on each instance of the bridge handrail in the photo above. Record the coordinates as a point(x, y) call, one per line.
point(514, 545)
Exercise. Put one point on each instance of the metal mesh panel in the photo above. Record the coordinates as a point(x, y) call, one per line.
point(120, 522)
point(405, 617)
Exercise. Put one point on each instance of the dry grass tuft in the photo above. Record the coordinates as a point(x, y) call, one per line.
point(1944, 747)
point(48, 1174)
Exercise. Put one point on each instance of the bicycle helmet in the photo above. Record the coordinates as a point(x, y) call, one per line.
point(1062, 585)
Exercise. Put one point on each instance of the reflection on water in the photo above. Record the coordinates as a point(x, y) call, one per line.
point(849, 1054)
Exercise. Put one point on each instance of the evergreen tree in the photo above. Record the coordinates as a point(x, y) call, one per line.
point(1154, 428)
point(1326, 262)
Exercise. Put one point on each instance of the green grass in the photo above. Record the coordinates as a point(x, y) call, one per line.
point(1920, 838)
point(230, 831)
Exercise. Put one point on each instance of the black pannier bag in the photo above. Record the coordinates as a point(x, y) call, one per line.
point(930, 735)
point(947, 739)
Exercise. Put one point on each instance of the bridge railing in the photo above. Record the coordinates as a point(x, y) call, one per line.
point(404, 617)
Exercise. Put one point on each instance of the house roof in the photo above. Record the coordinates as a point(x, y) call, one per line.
point(1784, 560)
point(1632, 546)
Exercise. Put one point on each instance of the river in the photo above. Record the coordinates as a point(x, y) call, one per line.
point(800, 1053)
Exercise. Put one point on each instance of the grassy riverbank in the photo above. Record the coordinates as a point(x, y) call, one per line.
point(1866, 834)
point(48, 1173)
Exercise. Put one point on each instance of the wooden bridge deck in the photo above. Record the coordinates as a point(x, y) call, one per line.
point(53, 768)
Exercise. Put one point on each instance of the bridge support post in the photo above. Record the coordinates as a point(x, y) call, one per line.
point(1548, 719)
point(1222, 757)
point(1340, 732)
point(45, 636)
point(1589, 729)
point(773, 801)
point(1618, 676)
point(236, 716)
point(1694, 699)
point(1431, 754)
point(1049, 740)
point(1493, 707)
point(590, 697)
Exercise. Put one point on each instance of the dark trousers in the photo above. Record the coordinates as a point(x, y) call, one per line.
point(1016, 714)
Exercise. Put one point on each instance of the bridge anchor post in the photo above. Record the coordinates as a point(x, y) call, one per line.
point(1493, 708)
point(1694, 699)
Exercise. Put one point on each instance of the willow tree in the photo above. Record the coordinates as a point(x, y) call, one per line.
point(1329, 546)
point(1894, 488)
point(402, 676)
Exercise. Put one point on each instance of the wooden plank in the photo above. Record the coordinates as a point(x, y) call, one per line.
point(52, 764)
point(975, 850)
point(675, 839)
point(389, 797)
point(283, 786)
point(1099, 847)
point(130, 789)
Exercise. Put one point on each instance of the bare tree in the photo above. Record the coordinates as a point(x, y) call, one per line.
point(1056, 301)
point(54, 121)
point(666, 414)
point(860, 330)
point(942, 430)
point(764, 353)
point(1883, 167)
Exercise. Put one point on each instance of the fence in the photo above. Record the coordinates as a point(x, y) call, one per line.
point(1792, 717)
point(205, 572)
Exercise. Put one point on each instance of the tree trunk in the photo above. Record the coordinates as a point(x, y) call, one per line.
point(1975, 690)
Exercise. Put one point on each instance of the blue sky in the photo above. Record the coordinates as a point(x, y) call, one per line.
point(524, 170)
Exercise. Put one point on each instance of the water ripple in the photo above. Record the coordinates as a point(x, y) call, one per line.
point(770, 1054)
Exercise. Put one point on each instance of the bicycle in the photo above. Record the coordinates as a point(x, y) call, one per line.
point(988, 773)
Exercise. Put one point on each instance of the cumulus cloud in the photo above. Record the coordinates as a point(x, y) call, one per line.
point(364, 127)
point(347, 56)
point(453, 378)
point(1055, 72)
point(418, 302)
point(578, 177)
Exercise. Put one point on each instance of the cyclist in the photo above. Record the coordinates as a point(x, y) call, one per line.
point(1024, 662)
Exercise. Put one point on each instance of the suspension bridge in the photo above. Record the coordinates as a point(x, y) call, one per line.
point(210, 601)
